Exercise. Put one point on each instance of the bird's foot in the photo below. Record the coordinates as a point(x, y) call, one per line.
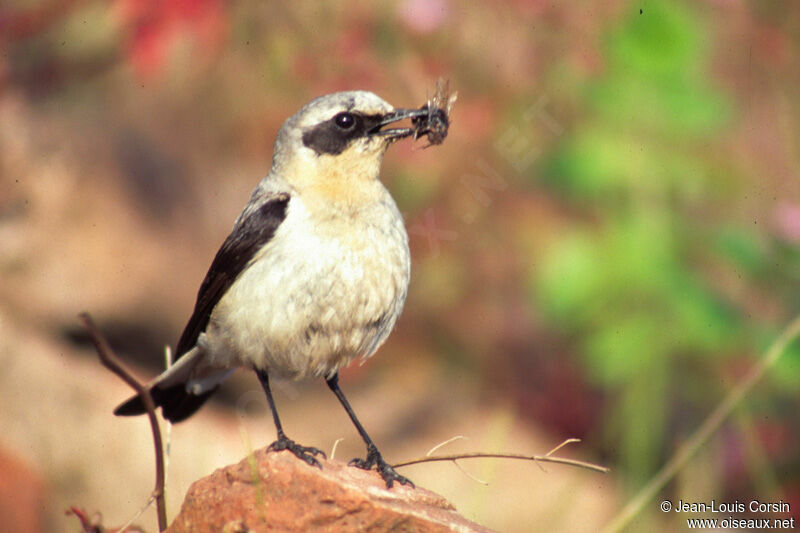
point(306, 453)
point(386, 471)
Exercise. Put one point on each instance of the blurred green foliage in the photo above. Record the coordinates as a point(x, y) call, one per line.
point(627, 285)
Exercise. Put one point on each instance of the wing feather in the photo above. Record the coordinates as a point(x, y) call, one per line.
point(248, 236)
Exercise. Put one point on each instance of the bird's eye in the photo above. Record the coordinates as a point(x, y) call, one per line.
point(345, 120)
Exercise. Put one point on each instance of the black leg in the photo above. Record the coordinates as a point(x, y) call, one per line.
point(305, 453)
point(374, 457)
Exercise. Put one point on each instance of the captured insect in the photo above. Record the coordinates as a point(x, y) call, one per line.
point(435, 123)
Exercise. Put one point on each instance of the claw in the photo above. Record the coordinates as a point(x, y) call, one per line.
point(363, 464)
point(306, 453)
point(389, 475)
point(386, 471)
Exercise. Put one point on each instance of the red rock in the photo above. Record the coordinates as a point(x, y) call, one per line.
point(281, 493)
point(21, 496)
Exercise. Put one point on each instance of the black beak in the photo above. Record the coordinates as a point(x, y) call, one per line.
point(396, 116)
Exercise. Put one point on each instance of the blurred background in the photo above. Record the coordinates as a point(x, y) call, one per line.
point(603, 246)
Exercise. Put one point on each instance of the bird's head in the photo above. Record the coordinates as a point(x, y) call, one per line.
point(338, 140)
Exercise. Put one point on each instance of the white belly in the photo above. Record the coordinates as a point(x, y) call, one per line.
point(317, 296)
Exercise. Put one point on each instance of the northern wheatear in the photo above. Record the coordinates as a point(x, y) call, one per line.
point(315, 271)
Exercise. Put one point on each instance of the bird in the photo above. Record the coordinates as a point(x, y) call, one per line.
point(313, 275)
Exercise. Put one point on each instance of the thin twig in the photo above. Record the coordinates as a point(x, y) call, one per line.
point(455, 462)
point(335, 445)
point(572, 440)
point(168, 362)
point(709, 426)
point(167, 439)
point(472, 477)
point(445, 443)
point(536, 458)
point(110, 361)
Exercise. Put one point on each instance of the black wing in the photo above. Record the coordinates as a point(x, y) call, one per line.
point(233, 256)
point(249, 235)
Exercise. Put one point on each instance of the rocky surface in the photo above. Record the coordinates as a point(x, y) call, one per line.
point(277, 492)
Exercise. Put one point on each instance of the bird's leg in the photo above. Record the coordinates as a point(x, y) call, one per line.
point(374, 457)
point(306, 453)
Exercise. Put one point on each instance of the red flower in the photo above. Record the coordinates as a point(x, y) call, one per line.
point(153, 26)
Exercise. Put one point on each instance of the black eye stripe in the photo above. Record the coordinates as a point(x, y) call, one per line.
point(335, 134)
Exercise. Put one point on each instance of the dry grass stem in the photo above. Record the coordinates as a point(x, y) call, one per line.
point(445, 443)
point(709, 426)
point(536, 458)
